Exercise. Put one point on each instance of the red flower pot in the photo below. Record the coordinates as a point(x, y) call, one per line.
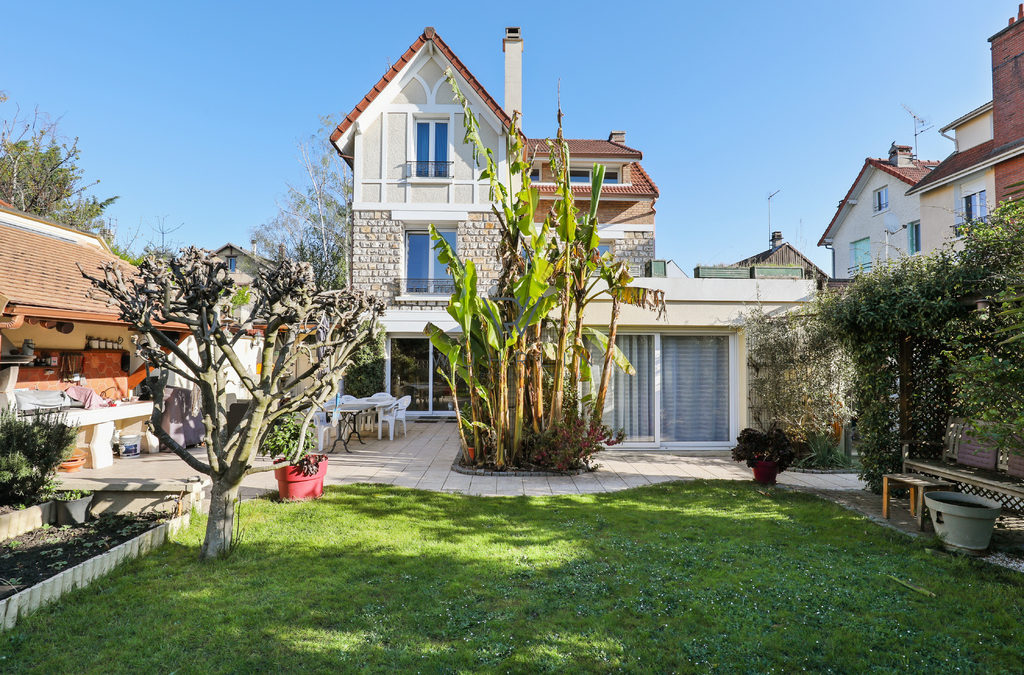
point(292, 485)
point(765, 472)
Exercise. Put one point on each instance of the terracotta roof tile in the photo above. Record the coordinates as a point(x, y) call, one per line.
point(640, 186)
point(39, 271)
point(959, 161)
point(429, 35)
point(586, 147)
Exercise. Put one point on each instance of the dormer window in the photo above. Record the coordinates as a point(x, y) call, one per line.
point(579, 175)
point(611, 177)
point(535, 175)
point(431, 151)
point(880, 200)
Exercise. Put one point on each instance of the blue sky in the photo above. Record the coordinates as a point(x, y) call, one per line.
point(191, 111)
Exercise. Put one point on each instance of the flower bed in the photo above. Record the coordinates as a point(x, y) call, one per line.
point(55, 560)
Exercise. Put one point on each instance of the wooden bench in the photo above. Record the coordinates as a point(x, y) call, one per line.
point(975, 466)
point(918, 485)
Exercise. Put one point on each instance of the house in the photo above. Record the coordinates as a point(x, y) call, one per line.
point(877, 219)
point(411, 169)
point(242, 265)
point(987, 163)
point(782, 254)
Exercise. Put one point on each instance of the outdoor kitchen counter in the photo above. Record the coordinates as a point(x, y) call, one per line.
point(96, 428)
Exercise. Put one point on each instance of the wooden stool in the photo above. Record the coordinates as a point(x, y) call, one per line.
point(918, 485)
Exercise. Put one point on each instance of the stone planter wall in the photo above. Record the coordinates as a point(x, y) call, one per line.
point(81, 575)
point(19, 522)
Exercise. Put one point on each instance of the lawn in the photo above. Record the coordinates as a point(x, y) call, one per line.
point(682, 576)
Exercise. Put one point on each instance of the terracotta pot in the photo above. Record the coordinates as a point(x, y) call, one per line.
point(75, 462)
point(292, 485)
point(765, 472)
point(471, 453)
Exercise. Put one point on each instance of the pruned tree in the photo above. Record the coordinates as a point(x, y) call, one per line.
point(187, 293)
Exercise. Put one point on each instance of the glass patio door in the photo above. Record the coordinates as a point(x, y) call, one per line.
point(694, 388)
point(414, 364)
point(629, 404)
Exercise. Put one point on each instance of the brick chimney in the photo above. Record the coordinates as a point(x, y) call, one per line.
point(776, 239)
point(512, 45)
point(617, 137)
point(1008, 80)
point(901, 155)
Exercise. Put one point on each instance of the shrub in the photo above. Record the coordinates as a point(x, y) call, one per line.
point(570, 444)
point(758, 446)
point(822, 451)
point(365, 377)
point(30, 452)
point(283, 437)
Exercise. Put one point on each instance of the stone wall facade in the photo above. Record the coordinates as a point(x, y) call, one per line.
point(378, 255)
point(637, 248)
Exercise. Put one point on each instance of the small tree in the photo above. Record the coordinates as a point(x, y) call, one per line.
point(188, 293)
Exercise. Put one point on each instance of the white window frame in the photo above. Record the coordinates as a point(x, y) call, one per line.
point(416, 229)
point(432, 121)
point(877, 206)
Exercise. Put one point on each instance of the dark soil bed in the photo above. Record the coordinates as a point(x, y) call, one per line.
point(44, 552)
point(4, 510)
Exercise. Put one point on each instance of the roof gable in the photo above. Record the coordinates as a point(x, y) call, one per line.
point(429, 36)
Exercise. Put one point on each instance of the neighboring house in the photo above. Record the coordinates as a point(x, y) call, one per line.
point(242, 266)
point(988, 160)
point(626, 212)
point(783, 254)
point(877, 220)
point(411, 169)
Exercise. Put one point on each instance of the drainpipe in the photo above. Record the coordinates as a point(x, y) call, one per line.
point(13, 322)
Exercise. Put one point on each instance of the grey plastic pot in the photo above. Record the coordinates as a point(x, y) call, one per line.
point(963, 521)
point(73, 512)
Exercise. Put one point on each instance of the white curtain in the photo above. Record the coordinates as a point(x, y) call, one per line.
point(630, 401)
point(694, 388)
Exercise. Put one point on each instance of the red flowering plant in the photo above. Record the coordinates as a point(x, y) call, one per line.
point(571, 443)
point(754, 446)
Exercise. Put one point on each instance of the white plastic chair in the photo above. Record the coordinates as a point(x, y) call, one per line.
point(396, 413)
point(375, 415)
point(323, 427)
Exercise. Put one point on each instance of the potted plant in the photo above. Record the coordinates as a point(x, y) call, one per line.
point(767, 453)
point(72, 506)
point(963, 521)
point(300, 474)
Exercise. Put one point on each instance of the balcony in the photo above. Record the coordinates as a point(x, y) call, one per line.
point(857, 269)
point(428, 169)
point(443, 286)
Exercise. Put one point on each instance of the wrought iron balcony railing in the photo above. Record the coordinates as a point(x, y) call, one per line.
point(428, 170)
point(442, 286)
point(857, 269)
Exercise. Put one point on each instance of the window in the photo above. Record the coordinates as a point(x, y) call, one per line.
point(604, 249)
point(860, 255)
point(579, 175)
point(232, 263)
point(694, 388)
point(880, 202)
point(914, 237)
point(424, 273)
point(431, 150)
point(535, 175)
point(630, 401)
point(611, 177)
point(975, 207)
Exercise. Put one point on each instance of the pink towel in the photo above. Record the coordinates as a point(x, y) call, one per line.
point(90, 399)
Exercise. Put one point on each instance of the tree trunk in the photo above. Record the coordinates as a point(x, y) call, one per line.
point(221, 524)
point(606, 367)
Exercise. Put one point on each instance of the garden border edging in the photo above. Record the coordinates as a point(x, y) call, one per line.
point(458, 468)
point(19, 522)
point(81, 575)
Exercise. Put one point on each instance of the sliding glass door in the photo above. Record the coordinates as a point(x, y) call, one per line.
point(630, 401)
point(694, 388)
point(414, 363)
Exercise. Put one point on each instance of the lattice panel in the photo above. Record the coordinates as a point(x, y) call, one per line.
point(1014, 504)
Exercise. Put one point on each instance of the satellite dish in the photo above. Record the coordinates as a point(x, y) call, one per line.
point(892, 223)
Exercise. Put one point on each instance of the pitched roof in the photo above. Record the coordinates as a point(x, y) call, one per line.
point(40, 275)
point(782, 249)
point(918, 170)
point(961, 161)
point(586, 147)
point(640, 186)
point(429, 35)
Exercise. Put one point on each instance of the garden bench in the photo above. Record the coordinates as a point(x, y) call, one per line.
point(918, 485)
point(974, 466)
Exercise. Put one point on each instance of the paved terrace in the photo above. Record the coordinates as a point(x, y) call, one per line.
point(423, 458)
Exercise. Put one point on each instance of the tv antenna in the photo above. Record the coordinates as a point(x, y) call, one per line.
point(770, 216)
point(921, 125)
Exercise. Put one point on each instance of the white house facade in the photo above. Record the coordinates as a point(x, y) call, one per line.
point(877, 220)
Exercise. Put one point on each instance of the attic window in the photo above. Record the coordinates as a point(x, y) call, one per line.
point(579, 175)
point(611, 177)
point(535, 175)
point(232, 263)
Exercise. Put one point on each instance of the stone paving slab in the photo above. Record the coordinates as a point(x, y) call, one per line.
point(422, 459)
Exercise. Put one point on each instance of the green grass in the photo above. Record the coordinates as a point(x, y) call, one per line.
point(686, 577)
